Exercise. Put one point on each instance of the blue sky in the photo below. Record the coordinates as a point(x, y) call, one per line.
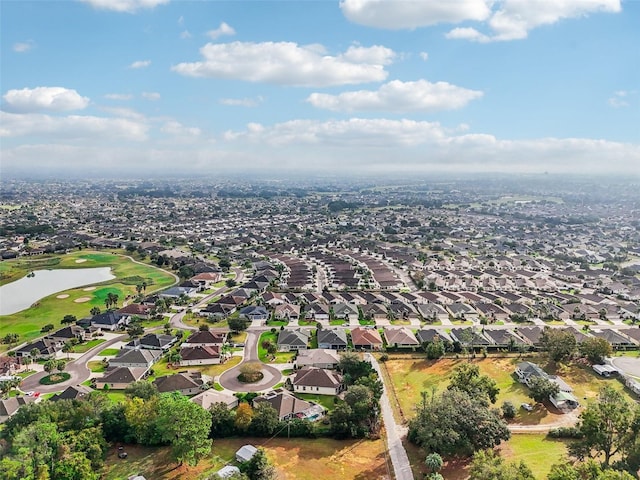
point(368, 86)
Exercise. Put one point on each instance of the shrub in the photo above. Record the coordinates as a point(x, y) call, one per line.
point(508, 410)
point(565, 432)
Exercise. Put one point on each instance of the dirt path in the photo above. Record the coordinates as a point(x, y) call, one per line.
point(566, 420)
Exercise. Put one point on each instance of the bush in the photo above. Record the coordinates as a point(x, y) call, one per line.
point(565, 432)
point(508, 410)
point(384, 357)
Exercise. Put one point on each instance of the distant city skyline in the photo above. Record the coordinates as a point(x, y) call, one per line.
point(128, 87)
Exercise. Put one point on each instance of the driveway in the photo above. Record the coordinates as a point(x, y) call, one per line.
point(629, 365)
point(77, 369)
point(272, 375)
point(395, 432)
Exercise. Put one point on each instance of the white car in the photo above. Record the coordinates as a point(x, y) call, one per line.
point(527, 406)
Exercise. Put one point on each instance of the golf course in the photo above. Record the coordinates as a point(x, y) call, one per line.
point(76, 301)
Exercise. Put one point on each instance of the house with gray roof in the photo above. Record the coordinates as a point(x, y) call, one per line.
point(400, 337)
point(317, 357)
point(135, 358)
point(333, 339)
point(290, 340)
point(317, 380)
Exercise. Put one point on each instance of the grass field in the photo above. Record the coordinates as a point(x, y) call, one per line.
point(295, 459)
point(85, 347)
point(109, 352)
point(279, 357)
point(162, 368)
point(28, 323)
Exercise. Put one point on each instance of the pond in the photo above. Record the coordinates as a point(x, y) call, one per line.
point(23, 293)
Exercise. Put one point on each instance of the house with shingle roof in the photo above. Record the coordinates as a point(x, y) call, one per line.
point(135, 358)
point(317, 357)
point(427, 335)
point(202, 355)
point(288, 406)
point(290, 340)
point(120, 377)
point(72, 392)
point(333, 339)
point(366, 338)
point(210, 397)
point(287, 311)
point(318, 381)
point(206, 338)
point(186, 383)
point(400, 337)
point(9, 406)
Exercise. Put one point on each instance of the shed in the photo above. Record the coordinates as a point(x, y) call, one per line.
point(228, 471)
point(246, 453)
point(606, 370)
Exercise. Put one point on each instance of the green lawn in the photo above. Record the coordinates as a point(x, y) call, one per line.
point(279, 357)
point(28, 323)
point(110, 352)
point(85, 347)
point(327, 401)
point(536, 450)
point(96, 366)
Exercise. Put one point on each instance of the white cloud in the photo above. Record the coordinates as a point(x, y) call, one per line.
point(505, 19)
point(125, 6)
point(412, 14)
point(620, 99)
point(118, 96)
point(184, 35)
point(181, 20)
point(140, 64)
point(71, 127)
point(398, 97)
point(287, 63)
point(242, 102)
point(514, 19)
point(176, 128)
point(424, 56)
point(223, 29)
point(23, 47)
point(54, 99)
point(124, 113)
point(153, 96)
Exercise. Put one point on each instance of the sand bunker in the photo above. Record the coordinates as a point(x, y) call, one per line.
point(64, 295)
point(88, 289)
point(81, 260)
point(82, 299)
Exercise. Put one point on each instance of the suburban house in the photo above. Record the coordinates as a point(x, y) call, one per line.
point(202, 355)
point(332, 339)
point(72, 393)
point(206, 279)
point(67, 333)
point(400, 337)
point(120, 378)
point(10, 405)
point(47, 349)
point(110, 320)
point(470, 337)
point(317, 357)
point(348, 311)
point(563, 400)
point(316, 311)
point(210, 397)
point(428, 335)
point(135, 358)
point(155, 341)
point(177, 292)
point(136, 310)
point(504, 338)
point(288, 406)
point(431, 312)
point(317, 380)
point(290, 340)
point(366, 338)
point(374, 311)
point(616, 339)
point(205, 338)
point(531, 335)
point(255, 313)
point(286, 311)
point(187, 383)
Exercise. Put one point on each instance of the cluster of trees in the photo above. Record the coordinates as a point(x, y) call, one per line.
point(459, 421)
point(359, 414)
point(561, 345)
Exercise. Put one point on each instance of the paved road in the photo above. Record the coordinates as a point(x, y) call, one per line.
point(77, 369)
point(629, 365)
point(272, 375)
point(395, 432)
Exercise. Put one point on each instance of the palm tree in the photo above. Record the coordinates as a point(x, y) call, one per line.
point(34, 353)
point(66, 348)
point(94, 311)
point(174, 357)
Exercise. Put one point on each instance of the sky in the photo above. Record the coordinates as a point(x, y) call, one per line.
point(168, 87)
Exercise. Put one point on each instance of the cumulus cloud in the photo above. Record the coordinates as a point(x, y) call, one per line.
point(619, 99)
point(173, 127)
point(424, 56)
point(412, 14)
point(140, 64)
point(222, 30)
point(71, 127)
point(23, 47)
point(53, 99)
point(242, 102)
point(287, 63)
point(505, 19)
point(153, 96)
point(118, 96)
point(399, 97)
point(125, 6)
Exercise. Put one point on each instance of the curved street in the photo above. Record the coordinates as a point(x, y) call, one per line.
point(272, 376)
point(76, 368)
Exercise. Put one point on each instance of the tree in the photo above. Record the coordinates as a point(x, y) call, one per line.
point(230, 282)
point(203, 328)
point(589, 470)
point(508, 409)
point(265, 420)
point(435, 349)
point(540, 389)
point(456, 423)
point(141, 389)
point(185, 426)
point(69, 319)
point(608, 427)
point(34, 353)
point(559, 344)
point(94, 311)
point(222, 421)
point(10, 338)
point(50, 365)
point(260, 468)
point(244, 415)
point(487, 464)
point(433, 462)
point(238, 324)
point(67, 348)
point(466, 377)
point(595, 349)
point(174, 357)
point(224, 264)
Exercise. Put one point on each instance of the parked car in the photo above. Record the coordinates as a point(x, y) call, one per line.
point(527, 406)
